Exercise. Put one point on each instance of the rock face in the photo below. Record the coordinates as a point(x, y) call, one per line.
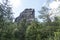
point(28, 14)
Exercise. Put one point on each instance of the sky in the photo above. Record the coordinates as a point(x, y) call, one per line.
point(54, 4)
point(19, 5)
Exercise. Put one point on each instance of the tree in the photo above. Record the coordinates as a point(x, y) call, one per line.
point(57, 36)
point(6, 26)
point(44, 14)
point(21, 26)
point(5, 11)
point(33, 31)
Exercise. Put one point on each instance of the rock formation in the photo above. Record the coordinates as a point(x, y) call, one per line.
point(28, 14)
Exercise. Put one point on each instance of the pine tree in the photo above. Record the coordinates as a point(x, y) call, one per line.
point(6, 11)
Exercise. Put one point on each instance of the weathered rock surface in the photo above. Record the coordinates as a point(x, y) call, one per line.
point(28, 14)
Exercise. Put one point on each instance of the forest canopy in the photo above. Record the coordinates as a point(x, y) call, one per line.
point(46, 30)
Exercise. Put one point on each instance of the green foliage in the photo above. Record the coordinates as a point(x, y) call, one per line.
point(7, 31)
point(33, 31)
point(44, 14)
point(28, 31)
point(57, 36)
point(5, 11)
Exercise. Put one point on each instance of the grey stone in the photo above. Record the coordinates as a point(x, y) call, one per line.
point(28, 14)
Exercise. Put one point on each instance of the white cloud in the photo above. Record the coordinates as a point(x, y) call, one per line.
point(16, 5)
point(54, 5)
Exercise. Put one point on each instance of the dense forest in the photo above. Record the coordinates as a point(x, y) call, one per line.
point(49, 29)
